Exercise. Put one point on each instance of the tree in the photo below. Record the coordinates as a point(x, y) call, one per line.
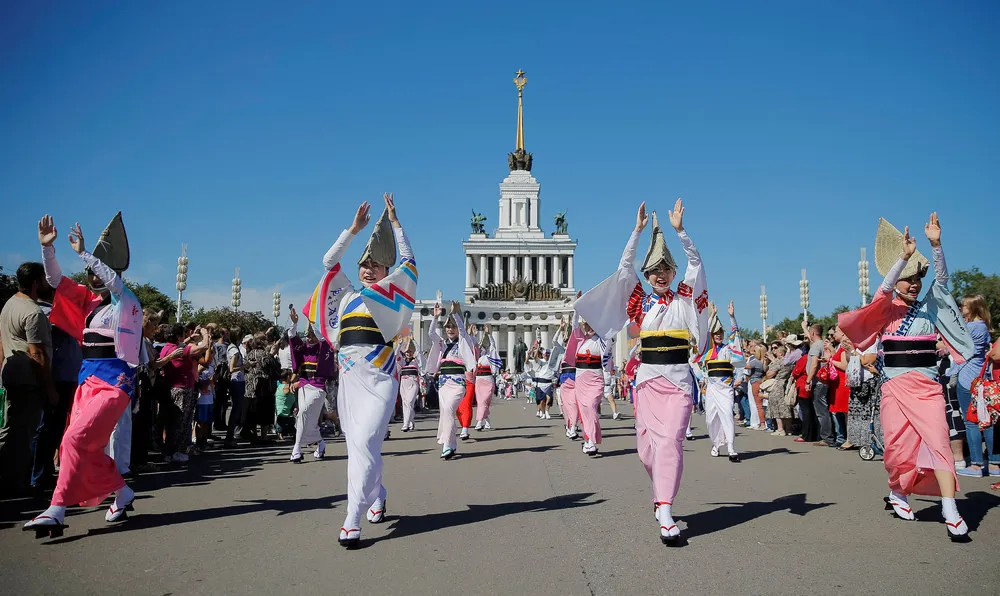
point(248, 322)
point(967, 282)
point(150, 297)
point(747, 333)
point(8, 287)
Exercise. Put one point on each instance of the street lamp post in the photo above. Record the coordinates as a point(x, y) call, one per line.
point(763, 312)
point(863, 287)
point(804, 296)
point(277, 305)
point(237, 290)
point(182, 276)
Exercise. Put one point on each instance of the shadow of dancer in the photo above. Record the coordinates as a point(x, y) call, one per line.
point(412, 525)
point(734, 514)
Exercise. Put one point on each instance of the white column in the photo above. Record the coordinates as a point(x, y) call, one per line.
point(497, 269)
point(557, 270)
point(527, 268)
point(511, 268)
point(495, 336)
point(468, 271)
point(542, 274)
point(511, 342)
point(482, 270)
point(545, 338)
point(529, 336)
point(569, 272)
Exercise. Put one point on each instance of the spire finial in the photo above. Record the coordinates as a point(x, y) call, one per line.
point(520, 80)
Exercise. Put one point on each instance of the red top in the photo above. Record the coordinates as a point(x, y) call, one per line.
point(840, 393)
point(799, 374)
point(180, 373)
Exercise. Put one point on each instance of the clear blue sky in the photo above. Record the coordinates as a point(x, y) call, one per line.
point(251, 131)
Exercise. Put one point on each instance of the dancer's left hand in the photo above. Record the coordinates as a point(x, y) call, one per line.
point(76, 238)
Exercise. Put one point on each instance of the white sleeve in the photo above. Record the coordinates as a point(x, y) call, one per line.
point(336, 252)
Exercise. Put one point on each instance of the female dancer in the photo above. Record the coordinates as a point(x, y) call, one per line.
point(917, 453)
point(453, 359)
point(364, 323)
point(314, 361)
point(487, 366)
point(567, 381)
point(720, 361)
point(107, 318)
point(412, 367)
point(664, 321)
point(593, 359)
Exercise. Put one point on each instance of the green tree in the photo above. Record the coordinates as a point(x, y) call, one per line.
point(8, 287)
point(248, 322)
point(966, 282)
point(151, 298)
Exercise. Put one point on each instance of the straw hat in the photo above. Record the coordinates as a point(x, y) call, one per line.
point(793, 340)
point(381, 246)
point(658, 250)
point(889, 246)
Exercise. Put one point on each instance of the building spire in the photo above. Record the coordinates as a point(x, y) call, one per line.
point(520, 80)
point(519, 159)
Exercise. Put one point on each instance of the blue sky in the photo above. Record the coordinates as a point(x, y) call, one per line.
point(252, 130)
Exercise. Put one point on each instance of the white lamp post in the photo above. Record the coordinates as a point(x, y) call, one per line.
point(182, 276)
point(237, 290)
point(763, 312)
point(804, 296)
point(863, 287)
point(277, 305)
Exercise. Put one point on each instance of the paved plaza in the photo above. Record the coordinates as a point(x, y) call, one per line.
point(520, 511)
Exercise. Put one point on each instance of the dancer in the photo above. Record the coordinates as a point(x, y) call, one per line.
point(313, 361)
point(593, 360)
point(720, 360)
point(917, 452)
point(364, 323)
point(487, 366)
point(664, 321)
point(567, 381)
point(411, 368)
point(107, 318)
point(541, 368)
point(464, 411)
point(453, 360)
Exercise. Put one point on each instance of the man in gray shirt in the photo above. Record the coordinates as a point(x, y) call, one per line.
point(26, 374)
point(820, 390)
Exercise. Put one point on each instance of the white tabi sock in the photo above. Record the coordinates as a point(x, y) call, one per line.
point(949, 510)
point(124, 496)
point(56, 512)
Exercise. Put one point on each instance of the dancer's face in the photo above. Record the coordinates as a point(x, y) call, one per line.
point(660, 278)
point(586, 329)
point(451, 331)
point(370, 272)
point(909, 289)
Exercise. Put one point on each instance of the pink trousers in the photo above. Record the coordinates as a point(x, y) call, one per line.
point(484, 397)
point(588, 392)
point(661, 416)
point(570, 409)
point(450, 395)
point(916, 434)
point(409, 391)
point(86, 474)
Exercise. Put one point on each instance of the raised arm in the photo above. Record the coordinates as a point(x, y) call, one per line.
point(111, 280)
point(336, 252)
point(47, 234)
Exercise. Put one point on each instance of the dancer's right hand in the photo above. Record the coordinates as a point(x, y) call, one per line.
point(361, 218)
point(47, 231)
point(641, 218)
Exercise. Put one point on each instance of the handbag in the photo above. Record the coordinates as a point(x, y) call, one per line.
point(855, 376)
point(985, 407)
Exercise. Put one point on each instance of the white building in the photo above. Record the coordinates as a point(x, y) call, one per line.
point(519, 280)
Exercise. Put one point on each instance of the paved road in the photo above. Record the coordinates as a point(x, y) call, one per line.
point(521, 511)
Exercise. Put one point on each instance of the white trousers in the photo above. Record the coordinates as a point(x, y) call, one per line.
point(119, 446)
point(366, 399)
point(719, 401)
point(311, 400)
point(754, 417)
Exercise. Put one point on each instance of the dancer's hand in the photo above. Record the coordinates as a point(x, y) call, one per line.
point(76, 238)
point(47, 233)
point(361, 218)
point(437, 310)
point(641, 218)
point(932, 229)
point(390, 205)
point(677, 215)
point(732, 309)
point(456, 308)
point(294, 316)
point(910, 243)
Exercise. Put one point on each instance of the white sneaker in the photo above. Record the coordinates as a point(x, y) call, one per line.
point(548, 416)
point(589, 448)
point(479, 425)
point(486, 424)
point(320, 450)
point(538, 414)
point(715, 451)
point(616, 416)
point(465, 434)
point(179, 457)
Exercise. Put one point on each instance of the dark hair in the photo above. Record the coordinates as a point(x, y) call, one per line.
point(818, 329)
point(172, 333)
point(218, 334)
point(286, 375)
point(235, 335)
point(28, 273)
point(162, 330)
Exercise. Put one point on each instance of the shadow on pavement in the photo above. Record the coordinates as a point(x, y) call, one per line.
point(734, 514)
point(142, 521)
point(973, 508)
point(497, 437)
point(419, 524)
point(745, 455)
point(538, 449)
point(617, 452)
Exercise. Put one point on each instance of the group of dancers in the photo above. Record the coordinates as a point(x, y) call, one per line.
point(361, 333)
